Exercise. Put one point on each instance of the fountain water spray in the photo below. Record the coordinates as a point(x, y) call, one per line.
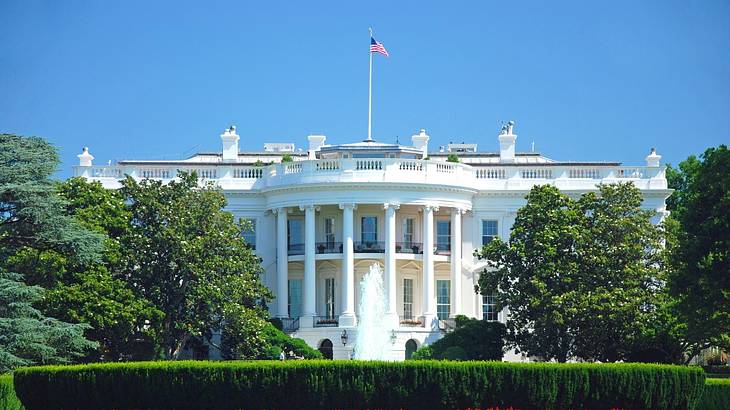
point(373, 333)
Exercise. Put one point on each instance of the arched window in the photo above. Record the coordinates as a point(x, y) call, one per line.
point(411, 347)
point(326, 349)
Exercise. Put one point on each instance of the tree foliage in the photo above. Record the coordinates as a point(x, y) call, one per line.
point(700, 274)
point(31, 212)
point(27, 337)
point(582, 277)
point(472, 339)
point(186, 256)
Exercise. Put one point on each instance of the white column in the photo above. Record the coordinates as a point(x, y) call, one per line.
point(390, 266)
point(429, 296)
point(456, 261)
point(309, 305)
point(347, 318)
point(282, 264)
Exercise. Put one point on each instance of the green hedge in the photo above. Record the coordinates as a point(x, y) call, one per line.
point(8, 400)
point(355, 384)
point(716, 395)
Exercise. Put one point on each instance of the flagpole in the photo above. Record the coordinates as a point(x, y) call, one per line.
point(370, 92)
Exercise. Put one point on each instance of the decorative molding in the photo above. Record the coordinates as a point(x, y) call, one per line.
point(344, 205)
point(395, 205)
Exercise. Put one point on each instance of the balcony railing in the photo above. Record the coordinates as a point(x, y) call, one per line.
point(369, 247)
point(295, 249)
point(326, 321)
point(290, 324)
point(412, 321)
point(328, 247)
point(442, 249)
point(409, 247)
point(388, 170)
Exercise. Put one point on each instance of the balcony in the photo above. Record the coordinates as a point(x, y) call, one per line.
point(290, 324)
point(412, 321)
point(369, 247)
point(328, 247)
point(295, 249)
point(415, 248)
point(326, 321)
point(442, 249)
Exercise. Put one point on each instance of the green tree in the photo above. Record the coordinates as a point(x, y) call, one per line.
point(187, 257)
point(473, 339)
point(452, 158)
point(286, 158)
point(93, 292)
point(27, 337)
point(700, 274)
point(582, 277)
point(31, 212)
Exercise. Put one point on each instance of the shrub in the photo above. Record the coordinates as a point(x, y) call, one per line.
point(716, 395)
point(475, 339)
point(8, 400)
point(452, 158)
point(424, 353)
point(286, 158)
point(717, 371)
point(282, 341)
point(359, 384)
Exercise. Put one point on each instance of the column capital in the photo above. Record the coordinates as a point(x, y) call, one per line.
point(310, 206)
point(284, 209)
point(430, 207)
point(394, 205)
point(347, 205)
point(458, 210)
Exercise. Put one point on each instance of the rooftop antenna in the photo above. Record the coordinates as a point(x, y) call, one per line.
point(397, 142)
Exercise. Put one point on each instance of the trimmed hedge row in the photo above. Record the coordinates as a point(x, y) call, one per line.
point(8, 399)
point(716, 395)
point(355, 384)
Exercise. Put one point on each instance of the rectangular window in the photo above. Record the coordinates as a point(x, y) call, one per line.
point(443, 235)
point(408, 299)
point(443, 299)
point(329, 232)
point(249, 233)
point(295, 234)
point(489, 230)
point(295, 298)
point(329, 293)
point(489, 308)
point(408, 233)
point(369, 232)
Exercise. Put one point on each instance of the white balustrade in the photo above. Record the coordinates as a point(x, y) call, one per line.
point(248, 173)
point(445, 168)
point(327, 165)
point(629, 172)
point(369, 164)
point(396, 170)
point(584, 173)
point(536, 173)
point(293, 167)
point(490, 173)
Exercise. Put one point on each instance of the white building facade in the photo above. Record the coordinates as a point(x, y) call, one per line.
point(320, 221)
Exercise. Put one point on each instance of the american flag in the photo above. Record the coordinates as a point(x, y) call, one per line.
point(376, 47)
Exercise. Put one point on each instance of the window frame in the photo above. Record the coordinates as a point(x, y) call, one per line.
point(440, 305)
point(490, 235)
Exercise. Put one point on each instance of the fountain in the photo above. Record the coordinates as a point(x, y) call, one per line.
point(373, 334)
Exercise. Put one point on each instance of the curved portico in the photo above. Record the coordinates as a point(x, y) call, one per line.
point(390, 234)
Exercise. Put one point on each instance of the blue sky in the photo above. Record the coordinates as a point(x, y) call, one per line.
point(583, 80)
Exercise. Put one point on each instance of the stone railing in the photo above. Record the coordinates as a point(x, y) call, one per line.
point(388, 170)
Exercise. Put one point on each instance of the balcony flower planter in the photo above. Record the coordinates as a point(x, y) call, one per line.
point(409, 322)
point(321, 248)
point(397, 248)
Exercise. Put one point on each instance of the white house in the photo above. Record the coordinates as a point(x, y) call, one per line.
point(320, 221)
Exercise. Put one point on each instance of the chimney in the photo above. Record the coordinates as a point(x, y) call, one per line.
point(315, 143)
point(420, 141)
point(230, 144)
point(507, 142)
point(652, 160)
point(85, 158)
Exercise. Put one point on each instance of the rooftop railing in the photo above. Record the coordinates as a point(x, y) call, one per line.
point(386, 170)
